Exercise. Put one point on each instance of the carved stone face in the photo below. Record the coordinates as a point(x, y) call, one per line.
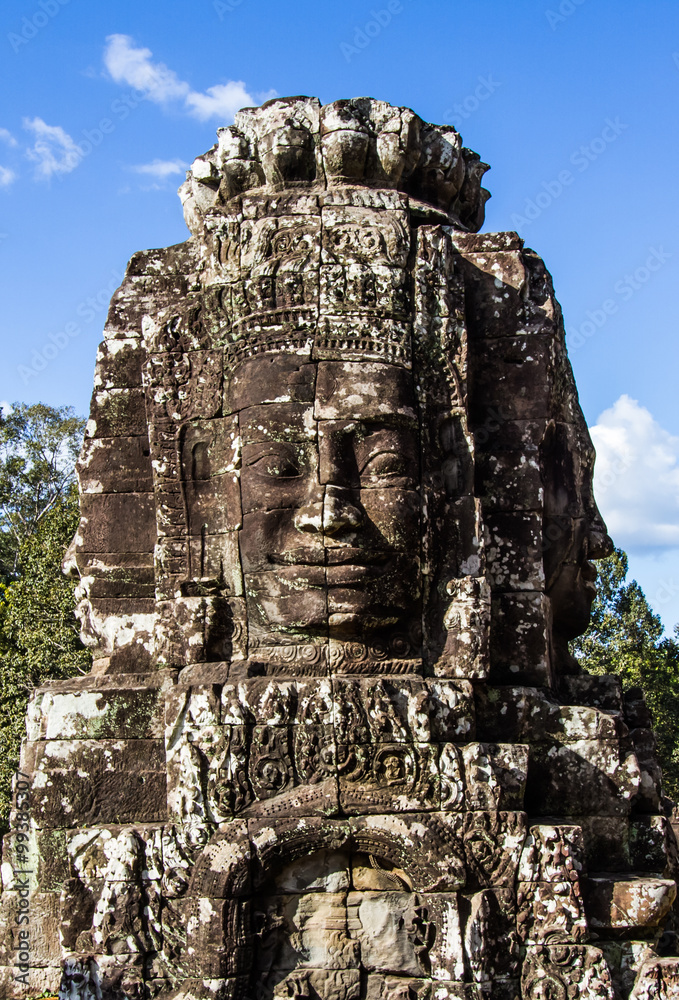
point(330, 533)
point(574, 531)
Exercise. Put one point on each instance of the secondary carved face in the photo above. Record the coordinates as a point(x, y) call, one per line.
point(574, 531)
point(330, 474)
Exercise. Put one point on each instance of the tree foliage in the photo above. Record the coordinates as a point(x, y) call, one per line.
point(625, 637)
point(38, 449)
point(39, 634)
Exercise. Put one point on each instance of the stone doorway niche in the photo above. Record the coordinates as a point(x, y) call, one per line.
point(342, 925)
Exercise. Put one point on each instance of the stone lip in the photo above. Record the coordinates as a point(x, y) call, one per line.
point(297, 142)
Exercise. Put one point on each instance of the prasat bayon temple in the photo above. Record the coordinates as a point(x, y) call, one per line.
point(337, 531)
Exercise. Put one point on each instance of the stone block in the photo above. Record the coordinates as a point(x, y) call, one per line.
point(350, 391)
point(117, 413)
point(318, 923)
point(116, 465)
point(36, 981)
point(118, 522)
point(496, 286)
point(104, 713)
point(282, 840)
point(223, 867)
point(275, 702)
point(211, 989)
point(585, 777)
point(121, 976)
point(567, 970)
point(606, 841)
point(257, 387)
point(628, 902)
point(115, 854)
point(625, 959)
point(516, 374)
point(525, 714)
point(649, 793)
point(191, 631)
point(379, 987)
point(119, 924)
point(511, 713)
point(466, 620)
point(509, 481)
point(550, 911)
point(514, 550)
point(603, 692)
point(119, 364)
point(519, 640)
point(190, 708)
point(53, 867)
point(220, 939)
point(489, 844)
point(389, 776)
point(78, 902)
point(212, 505)
point(485, 243)
point(652, 845)
point(491, 941)
point(183, 385)
point(81, 782)
point(658, 977)
point(496, 432)
point(127, 575)
point(451, 710)
point(494, 775)
point(553, 854)
point(29, 929)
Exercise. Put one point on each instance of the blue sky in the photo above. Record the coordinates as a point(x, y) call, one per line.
point(572, 102)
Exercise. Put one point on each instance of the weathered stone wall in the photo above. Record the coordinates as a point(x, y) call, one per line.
point(336, 535)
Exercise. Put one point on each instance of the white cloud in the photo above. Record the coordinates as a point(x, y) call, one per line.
point(7, 176)
point(161, 169)
point(54, 151)
point(221, 101)
point(6, 136)
point(636, 477)
point(132, 65)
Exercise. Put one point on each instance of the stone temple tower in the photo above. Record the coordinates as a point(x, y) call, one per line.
point(337, 524)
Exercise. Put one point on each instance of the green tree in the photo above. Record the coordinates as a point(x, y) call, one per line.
point(38, 449)
point(39, 513)
point(625, 637)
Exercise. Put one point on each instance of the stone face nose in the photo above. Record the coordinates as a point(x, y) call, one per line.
point(599, 542)
point(310, 518)
point(339, 514)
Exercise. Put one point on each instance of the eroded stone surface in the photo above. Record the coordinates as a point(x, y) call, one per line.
point(337, 523)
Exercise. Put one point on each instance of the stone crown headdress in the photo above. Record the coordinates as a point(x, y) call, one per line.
point(297, 142)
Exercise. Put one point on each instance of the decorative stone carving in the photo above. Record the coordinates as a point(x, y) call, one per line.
point(337, 524)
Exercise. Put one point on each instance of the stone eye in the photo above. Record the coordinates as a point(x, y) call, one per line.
point(276, 466)
point(385, 464)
